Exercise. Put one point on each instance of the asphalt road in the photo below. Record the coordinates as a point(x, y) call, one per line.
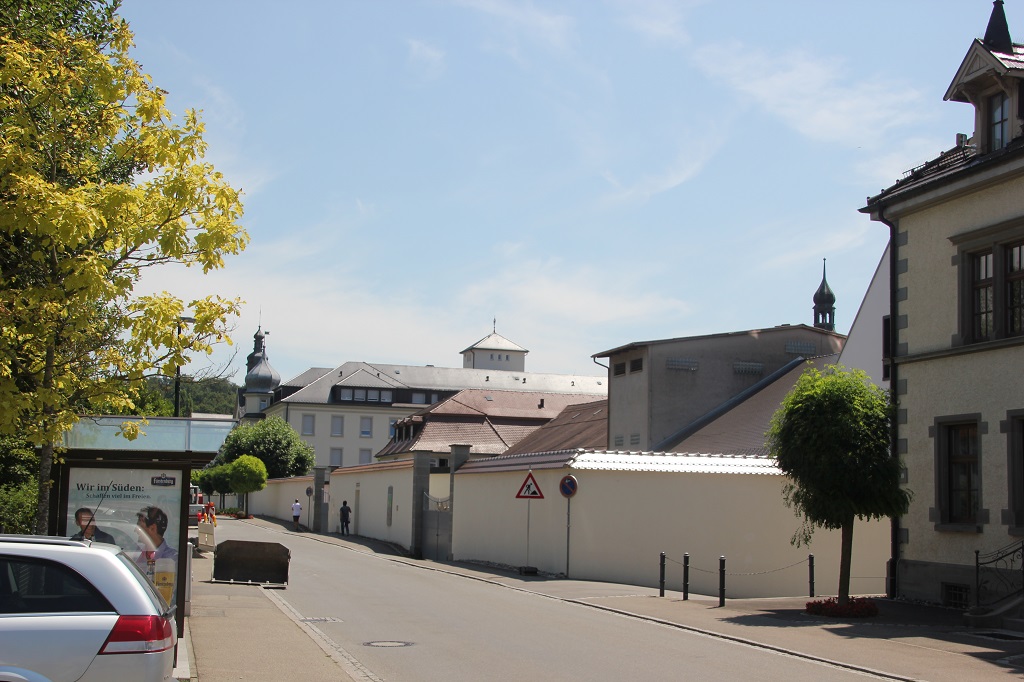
point(394, 621)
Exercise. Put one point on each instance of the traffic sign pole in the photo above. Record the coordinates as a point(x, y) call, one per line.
point(568, 523)
point(527, 532)
point(568, 487)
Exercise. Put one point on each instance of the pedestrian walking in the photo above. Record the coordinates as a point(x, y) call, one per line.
point(296, 512)
point(346, 516)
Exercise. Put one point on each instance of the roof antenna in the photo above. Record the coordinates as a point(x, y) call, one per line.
point(494, 325)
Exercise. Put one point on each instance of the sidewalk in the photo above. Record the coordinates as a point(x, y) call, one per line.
point(241, 632)
point(247, 632)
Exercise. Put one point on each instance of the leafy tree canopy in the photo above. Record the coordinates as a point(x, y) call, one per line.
point(19, 463)
point(214, 479)
point(831, 437)
point(97, 184)
point(271, 440)
point(248, 474)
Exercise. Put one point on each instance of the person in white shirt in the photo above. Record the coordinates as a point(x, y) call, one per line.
point(296, 513)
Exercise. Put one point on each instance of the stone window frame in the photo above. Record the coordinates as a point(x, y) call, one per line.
point(998, 239)
point(939, 514)
point(1013, 515)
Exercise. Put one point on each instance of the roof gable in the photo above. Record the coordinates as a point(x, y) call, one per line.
point(979, 68)
point(495, 341)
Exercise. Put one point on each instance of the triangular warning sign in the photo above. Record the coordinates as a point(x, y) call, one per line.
point(530, 490)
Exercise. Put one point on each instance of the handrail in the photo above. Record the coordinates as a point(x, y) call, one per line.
point(999, 574)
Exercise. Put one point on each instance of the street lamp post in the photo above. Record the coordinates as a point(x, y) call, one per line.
point(177, 371)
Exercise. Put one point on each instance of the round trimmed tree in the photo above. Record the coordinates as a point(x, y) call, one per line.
point(831, 437)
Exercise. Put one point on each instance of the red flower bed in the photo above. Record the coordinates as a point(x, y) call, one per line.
point(856, 607)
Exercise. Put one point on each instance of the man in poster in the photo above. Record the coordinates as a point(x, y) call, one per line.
point(153, 524)
point(159, 563)
point(86, 523)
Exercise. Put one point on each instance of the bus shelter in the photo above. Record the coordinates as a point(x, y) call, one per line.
point(135, 493)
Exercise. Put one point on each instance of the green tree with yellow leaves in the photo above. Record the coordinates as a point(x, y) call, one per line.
point(98, 183)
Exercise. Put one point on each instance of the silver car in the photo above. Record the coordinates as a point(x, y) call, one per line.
point(75, 610)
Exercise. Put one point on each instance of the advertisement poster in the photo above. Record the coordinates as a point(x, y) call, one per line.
point(137, 509)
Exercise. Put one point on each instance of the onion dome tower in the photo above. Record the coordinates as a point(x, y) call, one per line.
point(261, 379)
point(824, 304)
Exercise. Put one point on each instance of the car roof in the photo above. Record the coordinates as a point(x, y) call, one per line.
point(98, 562)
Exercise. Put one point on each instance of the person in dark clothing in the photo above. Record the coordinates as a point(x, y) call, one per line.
point(346, 516)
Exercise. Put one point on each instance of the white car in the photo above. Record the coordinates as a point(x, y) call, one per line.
point(76, 610)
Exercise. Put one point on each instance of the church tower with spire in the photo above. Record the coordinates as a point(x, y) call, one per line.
point(261, 379)
point(824, 304)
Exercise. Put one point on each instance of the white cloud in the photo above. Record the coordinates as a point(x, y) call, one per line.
point(883, 169)
point(365, 209)
point(570, 294)
point(555, 30)
point(659, 20)
point(808, 244)
point(427, 61)
point(688, 163)
point(226, 139)
point(813, 95)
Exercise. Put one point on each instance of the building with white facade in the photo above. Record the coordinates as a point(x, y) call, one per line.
point(348, 413)
point(956, 342)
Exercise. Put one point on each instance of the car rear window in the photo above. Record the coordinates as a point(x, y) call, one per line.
point(159, 603)
point(42, 586)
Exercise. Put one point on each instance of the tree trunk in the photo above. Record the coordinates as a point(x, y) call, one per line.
point(42, 520)
point(42, 524)
point(845, 559)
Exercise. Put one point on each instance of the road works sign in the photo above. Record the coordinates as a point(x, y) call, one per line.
point(530, 490)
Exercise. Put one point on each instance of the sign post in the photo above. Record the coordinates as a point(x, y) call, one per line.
point(528, 491)
point(568, 487)
point(309, 503)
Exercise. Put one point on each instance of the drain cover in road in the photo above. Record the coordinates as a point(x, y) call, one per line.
point(387, 643)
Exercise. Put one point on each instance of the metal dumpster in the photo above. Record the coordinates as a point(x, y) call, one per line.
point(259, 563)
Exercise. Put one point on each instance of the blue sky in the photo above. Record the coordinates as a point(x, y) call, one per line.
point(589, 173)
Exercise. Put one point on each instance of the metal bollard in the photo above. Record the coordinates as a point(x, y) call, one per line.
point(686, 576)
point(661, 581)
point(810, 571)
point(721, 581)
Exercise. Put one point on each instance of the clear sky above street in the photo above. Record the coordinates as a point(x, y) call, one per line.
point(589, 173)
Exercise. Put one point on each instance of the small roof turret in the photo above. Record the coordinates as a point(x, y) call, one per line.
point(261, 377)
point(824, 304)
point(997, 35)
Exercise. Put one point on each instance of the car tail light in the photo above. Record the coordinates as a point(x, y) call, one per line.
point(139, 634)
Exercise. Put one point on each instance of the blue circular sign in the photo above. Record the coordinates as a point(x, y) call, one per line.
point(568, 486)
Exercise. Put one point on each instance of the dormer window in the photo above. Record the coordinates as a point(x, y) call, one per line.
point(999, 121)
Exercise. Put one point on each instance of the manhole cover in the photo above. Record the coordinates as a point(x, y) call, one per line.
point(322, 619)
point(387, 643)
